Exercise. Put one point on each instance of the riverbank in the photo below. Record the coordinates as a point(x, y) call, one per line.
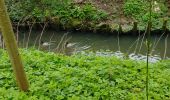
point(123, 17)
point(80, 77)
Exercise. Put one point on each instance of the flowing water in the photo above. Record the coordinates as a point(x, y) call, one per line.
point(130, 45)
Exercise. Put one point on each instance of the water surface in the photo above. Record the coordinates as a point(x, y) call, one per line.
point(96, 42)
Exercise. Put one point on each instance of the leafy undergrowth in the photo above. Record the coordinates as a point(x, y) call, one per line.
point(45, 10)
point(139, 10)
point(81, 77)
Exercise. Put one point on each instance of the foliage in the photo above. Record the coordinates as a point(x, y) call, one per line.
point(139, 10)
point(67, 10)
point(135, 7)
point(83, 77)
point(41, 10)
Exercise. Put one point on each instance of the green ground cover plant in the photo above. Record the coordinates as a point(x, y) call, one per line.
point(84, 77)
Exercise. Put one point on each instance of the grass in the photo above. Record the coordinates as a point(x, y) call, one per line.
point(80, 77)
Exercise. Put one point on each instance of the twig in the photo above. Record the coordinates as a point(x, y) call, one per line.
point(166, 42)
point(62, 38)
point(0, 40)
point(63, 45)
point(142, 41)
point(137, 43)
point(18, 30)
point(24, 41)
point(29, 34)
point(118, 41)
point(41, 35)
point(157, 42)
point(3, 44)
point(18, 24)
point(133, 44)
point(36, 40)
point(50, 42)
point(154, 43)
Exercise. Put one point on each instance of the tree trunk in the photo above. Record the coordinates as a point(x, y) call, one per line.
point(11, 46)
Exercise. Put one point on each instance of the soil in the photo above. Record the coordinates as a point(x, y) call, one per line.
point(114, 9)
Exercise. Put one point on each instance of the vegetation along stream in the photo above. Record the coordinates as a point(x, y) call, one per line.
point(85, 50)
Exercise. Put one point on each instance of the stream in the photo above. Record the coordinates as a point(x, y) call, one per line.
point(134, 46)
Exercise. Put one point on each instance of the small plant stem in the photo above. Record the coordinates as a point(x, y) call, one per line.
point(148, 48)
point(148, 54)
